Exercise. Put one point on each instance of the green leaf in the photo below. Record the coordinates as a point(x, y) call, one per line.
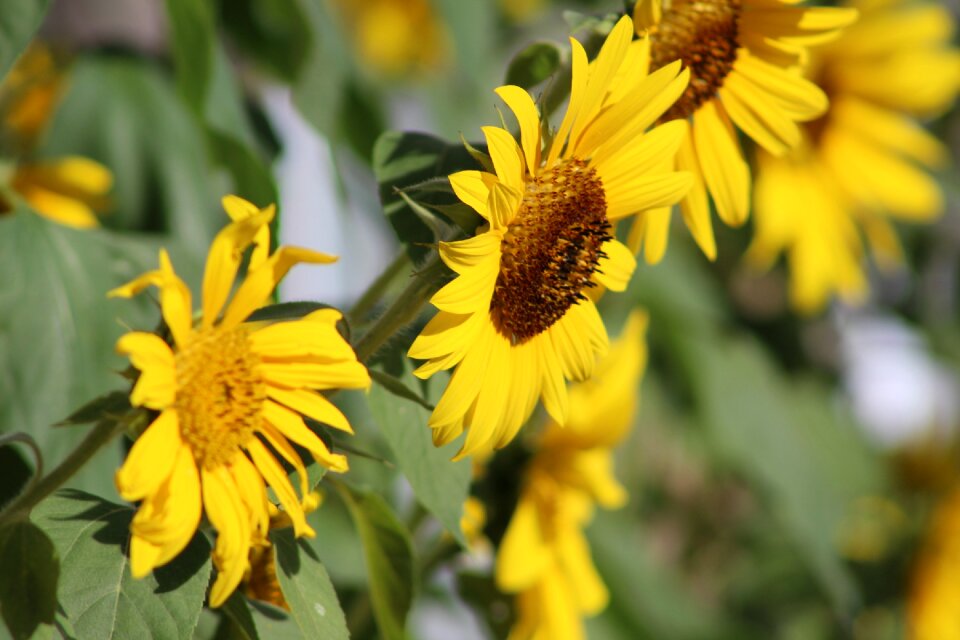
point(319, 92)
point(405, 159)
point(112, 404)
point(534, 64)
point(57, 348)
point(206, 82)
point(125, 113)
point(307, 588)
point(28, 582)
point(651, 600)
point(191, 31)
point(440, 485)
point(398, 388)
point(19, 20)
point(252, 620)
point(275, 34)
point(789, 440)
point(388, 551)
point(96, 591)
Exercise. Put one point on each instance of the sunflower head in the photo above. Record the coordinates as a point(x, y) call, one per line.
point(229, 397)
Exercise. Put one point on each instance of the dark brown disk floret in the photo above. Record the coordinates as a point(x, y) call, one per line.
point(703, 34)
point(551, 250)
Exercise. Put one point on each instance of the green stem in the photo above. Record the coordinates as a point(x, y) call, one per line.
point(379, 286)
point(403, 310)
point(100, 435)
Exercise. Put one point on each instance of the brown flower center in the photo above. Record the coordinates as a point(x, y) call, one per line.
point(220, 394)
point(703, 34)
point(550, 250)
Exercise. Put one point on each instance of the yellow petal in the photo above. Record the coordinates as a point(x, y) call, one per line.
point(524, 552)
point(694, 206)
point(306, 373)
point(223, 259)
point(525, 111)
point(724, 170)
point(275, 476)
point(151, 459)
point(445, 334)
point(228, 515)
point(176, 303)
point(157, 385)
point(291, 425)
point(299, 338)
point(62, 209)
point(312, 405)
point(473, 188)
point(649, 192)
point(506, 156)
point(260, 283)
point(646, 15)
point(615, 270)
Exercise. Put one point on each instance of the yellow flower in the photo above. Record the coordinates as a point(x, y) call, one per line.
point(515, 321)
point(544, 557)
point(396, 37)
point(66, 190)
point(28, 96)
point(863, 162)
point(229, 398)
point(933, 604)
point(743, 57)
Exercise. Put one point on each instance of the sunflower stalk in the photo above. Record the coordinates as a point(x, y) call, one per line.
point(379, 286)
point(100, 435)
point(404, 308)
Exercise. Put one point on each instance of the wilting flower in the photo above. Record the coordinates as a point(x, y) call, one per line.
point(66, 190)
point(544, 557)
point(933, 604)
point(230, 398)
point(743, 57)
point(864, 161)
point(260, 581)
point(516, 321)
point(396, 36)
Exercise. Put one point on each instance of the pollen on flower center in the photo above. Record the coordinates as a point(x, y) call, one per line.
point(550, 251)
point(703, 34)
point(220, 394)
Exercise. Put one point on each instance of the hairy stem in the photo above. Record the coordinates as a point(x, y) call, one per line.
point(378, 287)
point(100, 435)
point(403, 310)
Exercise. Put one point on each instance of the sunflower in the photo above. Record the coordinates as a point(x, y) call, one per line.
point(67, 190)
point(863, 162)
point(544, 557)
point(230, 398)
point(516, 321)
point(933, 602)
point(743, 57)
point(397, 37)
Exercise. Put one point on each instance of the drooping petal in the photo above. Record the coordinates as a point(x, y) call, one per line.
point(312, 405)
point(724, 169)
point(473, 188)
point(151, 459)
point(276, 477)
point(228, 515)
point(291, 426)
